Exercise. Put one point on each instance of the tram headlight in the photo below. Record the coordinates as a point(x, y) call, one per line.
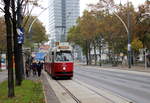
point(64, 68)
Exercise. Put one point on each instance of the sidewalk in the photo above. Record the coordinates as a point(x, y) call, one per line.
point(3, 75)
point(134, 68)
point(50, 96)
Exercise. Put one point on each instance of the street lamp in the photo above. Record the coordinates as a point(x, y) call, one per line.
point(129, 38)
point(128, 33)
point(36, 19)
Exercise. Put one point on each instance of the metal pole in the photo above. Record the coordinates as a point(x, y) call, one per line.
point(124, 24)
point(129, 38)
point(34, 20)
point(145, 59)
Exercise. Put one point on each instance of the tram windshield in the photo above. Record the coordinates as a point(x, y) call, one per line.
point(64, 56)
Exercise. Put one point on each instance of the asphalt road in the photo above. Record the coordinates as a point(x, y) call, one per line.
point(3, 76)
point(135, 87)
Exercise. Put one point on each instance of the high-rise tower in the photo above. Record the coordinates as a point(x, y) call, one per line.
point(62, 15)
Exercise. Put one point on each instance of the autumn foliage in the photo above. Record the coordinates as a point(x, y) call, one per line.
point(99, 27)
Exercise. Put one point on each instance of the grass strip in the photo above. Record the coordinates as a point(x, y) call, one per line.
point(28, 92)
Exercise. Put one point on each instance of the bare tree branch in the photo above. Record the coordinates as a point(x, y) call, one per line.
point(19, 4)
point(22, 2)
point(28, 16)
point(25, 7)
point(2, 10)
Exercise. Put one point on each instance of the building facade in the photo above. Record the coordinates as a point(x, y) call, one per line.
point(62, 15)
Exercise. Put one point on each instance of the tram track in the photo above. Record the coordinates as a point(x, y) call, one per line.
point(111, 101)
point(115, 94)
point(61, 91)
point(69, 93)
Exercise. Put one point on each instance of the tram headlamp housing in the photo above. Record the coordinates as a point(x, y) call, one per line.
point(64, 68)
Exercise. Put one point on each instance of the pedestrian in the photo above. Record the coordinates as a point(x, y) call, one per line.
point(34, 68)
point(39, 68)
point(27, 68)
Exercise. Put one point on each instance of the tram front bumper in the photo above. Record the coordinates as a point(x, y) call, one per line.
point(60, 74)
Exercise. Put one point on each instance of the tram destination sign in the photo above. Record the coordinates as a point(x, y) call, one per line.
point(63, 47)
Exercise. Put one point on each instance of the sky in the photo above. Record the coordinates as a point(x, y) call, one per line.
point(83, 5)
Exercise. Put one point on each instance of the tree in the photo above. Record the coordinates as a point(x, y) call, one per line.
point(87, 24)
point(110, 30)
point(104, 24)
point(2, 34)
point(37, 33)
point(136, 45)
point(86, 30)
point(2, 38)
point(17, 11)
point(74, 35)
point(13, 10)
point(115, 36)
point(9, 48)
point(143, 24)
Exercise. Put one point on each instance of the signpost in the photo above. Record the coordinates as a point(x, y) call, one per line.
point(20, 37)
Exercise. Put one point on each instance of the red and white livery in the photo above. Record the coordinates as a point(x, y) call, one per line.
point(59, 61)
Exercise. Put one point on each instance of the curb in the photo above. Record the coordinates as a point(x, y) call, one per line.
point(119, 70)
point(60, 92)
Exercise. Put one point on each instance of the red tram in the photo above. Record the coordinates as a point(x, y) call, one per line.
point(59, 61)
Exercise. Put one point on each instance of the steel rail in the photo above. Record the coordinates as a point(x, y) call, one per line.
point(95, 92)
point(68, 92)
point(99, 93)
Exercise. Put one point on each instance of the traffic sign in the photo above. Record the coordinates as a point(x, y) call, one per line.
point(20, 37)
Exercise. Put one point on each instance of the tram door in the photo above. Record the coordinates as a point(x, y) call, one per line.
point(52, 64)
